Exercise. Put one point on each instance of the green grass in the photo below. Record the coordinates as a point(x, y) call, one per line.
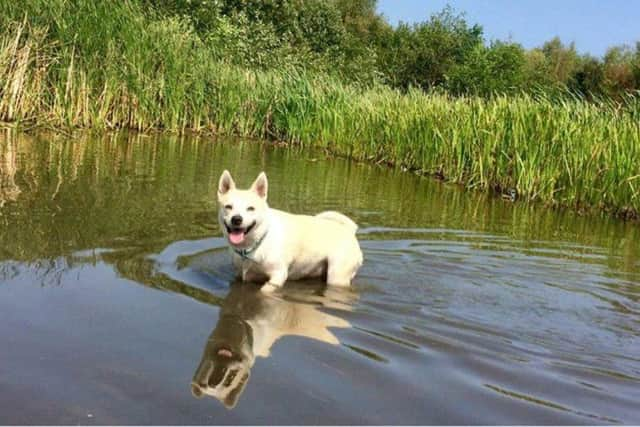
point(108, 65)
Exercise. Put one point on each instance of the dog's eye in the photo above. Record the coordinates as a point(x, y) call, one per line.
point(251, 209)
point(228, 207)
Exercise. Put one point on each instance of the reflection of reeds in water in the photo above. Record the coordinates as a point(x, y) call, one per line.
point(44, 272)
point(101, 191)
point(9, 190)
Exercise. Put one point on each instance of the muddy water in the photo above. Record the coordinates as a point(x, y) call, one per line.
point(116, 297)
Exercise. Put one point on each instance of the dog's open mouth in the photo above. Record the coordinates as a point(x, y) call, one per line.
point(238, 234)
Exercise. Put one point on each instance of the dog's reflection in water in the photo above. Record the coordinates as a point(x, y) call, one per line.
point(251, 322)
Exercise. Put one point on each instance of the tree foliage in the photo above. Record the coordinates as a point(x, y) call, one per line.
point(424, 54)
point(351, 40)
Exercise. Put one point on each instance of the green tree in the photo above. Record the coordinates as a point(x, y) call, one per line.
point(635, 65)
point(422, 54)
point(620, 70)
point(588, 78)
point(360, 17)
point(320, 35)
point(498, 68)
point(560, 60)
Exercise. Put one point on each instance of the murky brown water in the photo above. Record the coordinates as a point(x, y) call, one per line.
point(115, 293)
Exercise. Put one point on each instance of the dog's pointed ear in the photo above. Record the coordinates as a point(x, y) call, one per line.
point(226, 183)
point(260, 185)
point(196, 391)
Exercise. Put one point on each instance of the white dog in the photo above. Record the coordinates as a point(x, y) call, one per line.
point(272, 246)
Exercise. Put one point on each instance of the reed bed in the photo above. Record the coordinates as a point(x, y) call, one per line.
point(144, 73)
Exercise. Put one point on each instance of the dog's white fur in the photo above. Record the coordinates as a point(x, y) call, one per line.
point(281, 245)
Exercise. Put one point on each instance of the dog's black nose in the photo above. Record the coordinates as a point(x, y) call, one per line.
point(236, 220)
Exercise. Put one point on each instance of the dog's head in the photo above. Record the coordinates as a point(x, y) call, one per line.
point(226, 363)
point(242, 212)
point(228, 356)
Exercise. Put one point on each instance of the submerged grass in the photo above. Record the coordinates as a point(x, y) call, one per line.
point(108, 65)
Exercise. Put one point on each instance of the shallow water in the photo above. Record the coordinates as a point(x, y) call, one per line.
point(116, 295)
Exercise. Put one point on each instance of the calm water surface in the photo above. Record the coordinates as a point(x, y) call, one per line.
point(116, 294)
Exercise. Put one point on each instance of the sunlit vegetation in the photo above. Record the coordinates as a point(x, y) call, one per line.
point(546, 125)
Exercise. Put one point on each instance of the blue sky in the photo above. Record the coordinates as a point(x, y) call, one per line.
point(593, 25)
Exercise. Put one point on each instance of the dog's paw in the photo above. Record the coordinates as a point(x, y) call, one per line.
point(269, 288)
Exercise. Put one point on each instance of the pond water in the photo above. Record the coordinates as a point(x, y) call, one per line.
point(116, 289)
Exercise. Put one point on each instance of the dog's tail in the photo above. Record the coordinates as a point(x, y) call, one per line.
point(339, 218)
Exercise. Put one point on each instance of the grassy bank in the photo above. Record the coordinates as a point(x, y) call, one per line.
point(111, 66)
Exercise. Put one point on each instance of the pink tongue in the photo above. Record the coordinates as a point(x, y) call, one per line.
point(236, 237)
point(224, 352)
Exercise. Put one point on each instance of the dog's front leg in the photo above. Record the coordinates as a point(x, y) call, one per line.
point(238, 267)
point(277, 278)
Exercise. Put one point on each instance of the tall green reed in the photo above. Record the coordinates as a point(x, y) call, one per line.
point(108, 65)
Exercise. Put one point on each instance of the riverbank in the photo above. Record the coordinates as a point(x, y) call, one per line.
point(562, 153)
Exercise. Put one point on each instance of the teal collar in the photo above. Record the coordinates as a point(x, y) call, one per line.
point(244, 253)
